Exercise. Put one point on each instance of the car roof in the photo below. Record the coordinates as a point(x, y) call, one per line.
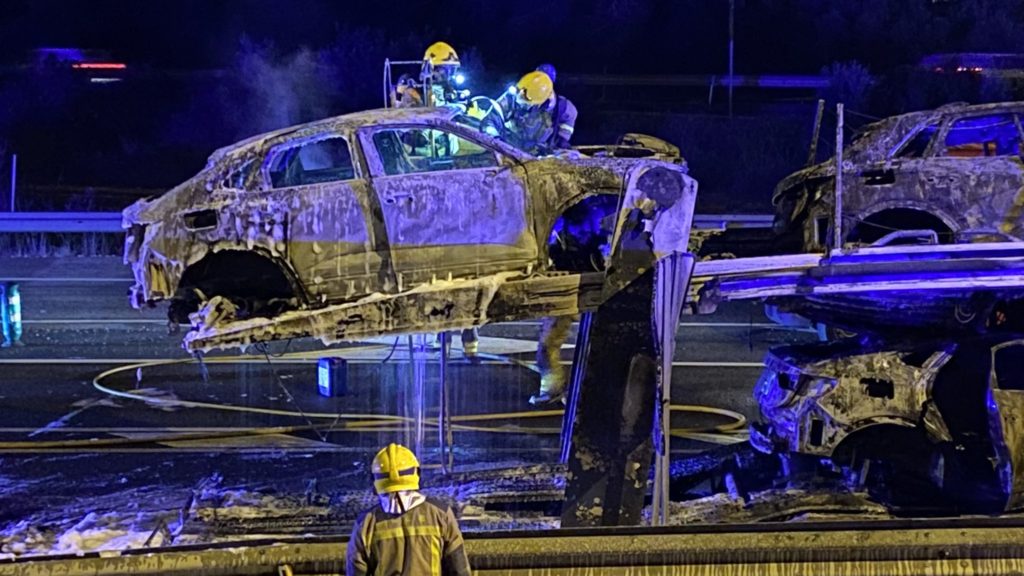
point(345, 122)
point(879, 138)
point(953, 109)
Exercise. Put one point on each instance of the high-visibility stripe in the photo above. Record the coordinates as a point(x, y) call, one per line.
point(405, 531)
point(566, 128)
point(405, 472)
point(435, 556)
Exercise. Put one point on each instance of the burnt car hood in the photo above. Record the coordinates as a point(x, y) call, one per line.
point(820, 171)
point(154, 209)
point(635, 146)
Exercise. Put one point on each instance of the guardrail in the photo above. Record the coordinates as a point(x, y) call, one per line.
point(67, 222)
point(776, 81)
point(991, 546)
point(110, 222)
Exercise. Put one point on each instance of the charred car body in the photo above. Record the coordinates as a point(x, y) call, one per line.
point(955, 171)
point(363, 207)
point(947, 414)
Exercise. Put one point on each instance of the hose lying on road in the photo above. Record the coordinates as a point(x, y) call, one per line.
point(349, 422)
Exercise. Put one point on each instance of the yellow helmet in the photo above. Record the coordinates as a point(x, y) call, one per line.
point(395, 468)
point(534, 88)
point(441, 54)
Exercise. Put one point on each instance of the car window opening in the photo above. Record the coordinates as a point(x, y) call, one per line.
point(417, 150)
point(983, 136)
point(316, 162)
point(1009, 375)
point(918, 145)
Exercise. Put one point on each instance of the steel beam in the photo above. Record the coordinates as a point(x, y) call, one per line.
point(110, 222)
point(612, 441)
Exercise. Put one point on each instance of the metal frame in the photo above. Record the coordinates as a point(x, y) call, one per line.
point(110, 222)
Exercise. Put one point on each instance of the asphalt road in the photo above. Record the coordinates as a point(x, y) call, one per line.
point(78, 324)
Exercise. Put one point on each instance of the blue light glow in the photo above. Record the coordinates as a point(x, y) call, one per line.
point(460, 79)
point(513, 90)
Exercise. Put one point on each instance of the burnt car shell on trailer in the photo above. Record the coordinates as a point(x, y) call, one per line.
point(813, 397)
point(911, 172)
point(965, 396)
point(230, 231)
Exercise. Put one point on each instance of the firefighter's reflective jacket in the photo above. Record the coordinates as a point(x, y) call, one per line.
point(539, 129)
point(424, 541)
point(529, 129)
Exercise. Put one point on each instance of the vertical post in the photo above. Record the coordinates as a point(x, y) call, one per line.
point(406, 398)
point(444, 423)
point(732, 49)
point(579, 362)
point(612, 443)
point(812, 154)
point(14, 178)
point(837, 222)
point(418, 360)
point(388, 91)
point(671, 283)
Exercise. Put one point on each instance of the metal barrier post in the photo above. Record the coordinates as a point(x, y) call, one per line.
point(415, 408)
point(444, 417)
point(14, 178)
point(671, 283)
point(837, 224)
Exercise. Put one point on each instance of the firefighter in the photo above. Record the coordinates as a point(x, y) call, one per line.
point(441, 77)
point(562, 111)
point(407, 533)
point(527, 119)
point(407, 94)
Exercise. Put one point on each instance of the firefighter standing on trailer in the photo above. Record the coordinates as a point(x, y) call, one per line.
point(527, 120)
point(408, 534)
point(441, 76)
point(537, 119)
point(441, 79)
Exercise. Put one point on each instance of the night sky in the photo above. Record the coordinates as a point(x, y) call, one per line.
point(283, 62)
point(648, 36)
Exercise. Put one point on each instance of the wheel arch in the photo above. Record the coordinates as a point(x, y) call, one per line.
point(866, 431)
point(881, 216)
point(586, 211)
point(252, 273)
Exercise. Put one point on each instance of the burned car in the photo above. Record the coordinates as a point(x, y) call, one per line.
point(955, 172)
point(412, 219)
point(947, 413)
